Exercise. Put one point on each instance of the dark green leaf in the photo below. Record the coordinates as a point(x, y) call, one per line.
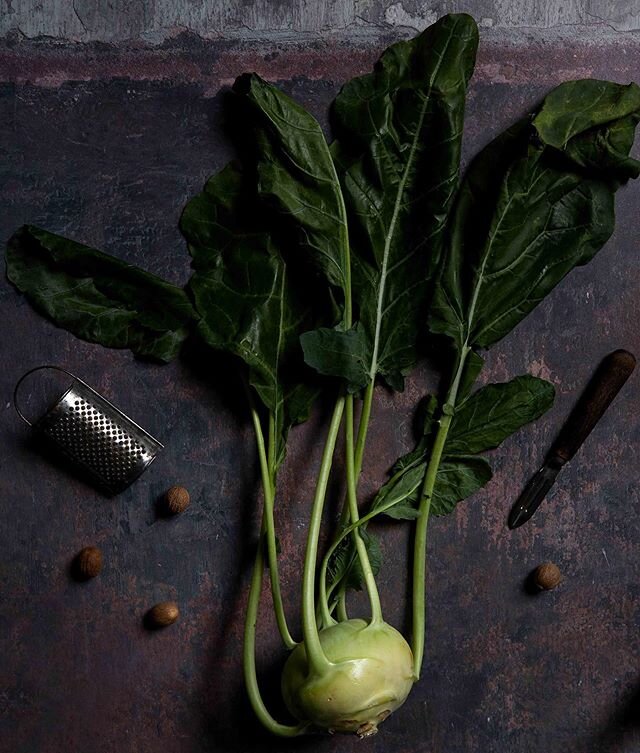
point(425, 413)
point(472, 368)
point(529, 212)
point(495, 412)
point(399, 133)
point(573, 110)
point(296, 173)
point(242, 289)
point(98, 297)
point(608, 151)
point(458, 479)
point(397, 154)
point(338, 353)
point(481, 423)
point(356, 577)
point(345, 565)
point(425, 421)
point(397, 498)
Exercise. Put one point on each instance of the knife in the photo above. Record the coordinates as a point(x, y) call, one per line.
point(604, 385)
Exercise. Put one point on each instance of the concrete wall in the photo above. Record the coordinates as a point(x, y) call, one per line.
point(155, 20)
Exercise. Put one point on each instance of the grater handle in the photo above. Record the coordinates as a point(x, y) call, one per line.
point(28, 373)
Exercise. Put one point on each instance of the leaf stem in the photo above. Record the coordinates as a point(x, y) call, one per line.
point(325, 610)
point(271, 448)
point(249, 656)
point(363, 427)
point(361, 439)
point(420, 542)
point(365, 564)
point(342, 607)
point(349, 529)
point(315, 655)
point(267, 473)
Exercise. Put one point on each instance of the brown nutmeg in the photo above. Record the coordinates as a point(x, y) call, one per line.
point(163, 614)
point(177, 500)
point(88, 563)
point(547, 576)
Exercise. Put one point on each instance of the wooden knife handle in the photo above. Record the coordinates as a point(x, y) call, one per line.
point(604, 385)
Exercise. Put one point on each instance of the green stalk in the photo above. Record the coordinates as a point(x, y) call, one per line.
point(342, 607)
point(361, 439)
point(420, 542)
point(268, 485)
point(249, 656)
point(354, 467)
point(332, 608)
point(271, 448)
point(309, 623)
point(363, 427)
point(328, 592)
point(325, 610)
point(345, 532)
point(369, 578)
point(315, 654)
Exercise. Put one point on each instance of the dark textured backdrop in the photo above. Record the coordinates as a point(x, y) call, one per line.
point(106, 130)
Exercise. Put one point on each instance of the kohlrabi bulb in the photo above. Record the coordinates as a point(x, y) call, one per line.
point(370, 676)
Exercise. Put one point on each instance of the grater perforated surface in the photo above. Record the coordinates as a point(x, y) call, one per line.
point(99, 438)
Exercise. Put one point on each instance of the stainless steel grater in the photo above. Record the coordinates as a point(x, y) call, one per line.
point(103, 443)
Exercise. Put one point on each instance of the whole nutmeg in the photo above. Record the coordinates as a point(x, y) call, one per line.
point(177, 500)
point(88, 563)
point(547, 576)
point(163, 614)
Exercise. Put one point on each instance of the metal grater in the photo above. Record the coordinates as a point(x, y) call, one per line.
point(99, 439)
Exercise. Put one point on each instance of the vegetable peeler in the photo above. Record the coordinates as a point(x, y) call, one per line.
point(604, 385)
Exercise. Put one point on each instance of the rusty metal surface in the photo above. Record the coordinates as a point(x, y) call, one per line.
point(105, 145)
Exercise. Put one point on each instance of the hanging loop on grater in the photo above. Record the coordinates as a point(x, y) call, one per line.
point(102, 442)
point(28, 374)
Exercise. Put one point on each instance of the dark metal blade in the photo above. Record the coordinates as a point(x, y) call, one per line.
point(534, 492)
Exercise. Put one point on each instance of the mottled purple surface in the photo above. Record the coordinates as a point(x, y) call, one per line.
point(105, 144)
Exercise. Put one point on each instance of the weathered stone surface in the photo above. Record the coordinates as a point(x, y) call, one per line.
point(155, 20)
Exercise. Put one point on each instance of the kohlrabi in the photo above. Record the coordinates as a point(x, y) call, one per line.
point(362, 672)
point(325, 267)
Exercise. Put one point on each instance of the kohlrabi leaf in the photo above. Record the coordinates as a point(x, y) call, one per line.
point(398, 496)
point(481, 423)
point(345, 563)
point(374, 553)
point(473, 367)
point(397, 151)
point(98, 297)
point(608, 151)
point(573, 110)
point(425, 423)
point(495, 412)
point(243, 291)
point(338, 353)
point(296, 174)
point(535, 203)
point(457, 479)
